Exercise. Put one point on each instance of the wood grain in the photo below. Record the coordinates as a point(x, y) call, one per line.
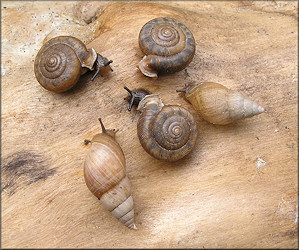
point(237, 189)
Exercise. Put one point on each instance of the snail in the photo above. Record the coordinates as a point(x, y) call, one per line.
point(62, 60)
point(105, 176)
point(166, 132)
point(168, 45)
point(219, 105)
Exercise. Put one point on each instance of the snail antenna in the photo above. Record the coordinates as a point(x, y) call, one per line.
point(100, 62)
point(97, 66)
point(131, 103)
point(182, 90)
point(102, 125)
point(132, 98)
point(96, 73)
point(107, 63)
point(86, 141)
point(187, 87)
point(130, 91)
point(136, 96)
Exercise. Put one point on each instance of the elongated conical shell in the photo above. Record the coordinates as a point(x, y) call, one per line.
point(118, 200)
point(241, 107)
point(220, 105)
point(105, 176)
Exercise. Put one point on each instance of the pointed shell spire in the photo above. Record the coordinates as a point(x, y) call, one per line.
point(105, 176)
point(240, 106)
point(220, 105)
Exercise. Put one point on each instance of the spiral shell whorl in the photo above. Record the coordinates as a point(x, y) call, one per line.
point(167, 134)
point(171, 128)
point(165, 35)
point(87, 57)
point(55, 65)
point(58, 64)
point(168, 45)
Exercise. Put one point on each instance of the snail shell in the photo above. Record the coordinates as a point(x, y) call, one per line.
point(166, 132)
point(105, 176)
point(62, 60)
point(168, 46)
point(218, 104)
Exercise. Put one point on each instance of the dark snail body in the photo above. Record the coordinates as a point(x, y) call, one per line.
point(136, 96)
point(169, 46)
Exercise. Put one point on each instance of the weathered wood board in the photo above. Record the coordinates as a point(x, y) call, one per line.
point(237, 189)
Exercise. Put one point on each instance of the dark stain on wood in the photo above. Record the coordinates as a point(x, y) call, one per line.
point(22, 169)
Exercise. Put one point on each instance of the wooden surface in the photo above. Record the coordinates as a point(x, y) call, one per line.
point(237, 189)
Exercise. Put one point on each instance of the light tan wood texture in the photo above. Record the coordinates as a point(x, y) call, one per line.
point(236, 189)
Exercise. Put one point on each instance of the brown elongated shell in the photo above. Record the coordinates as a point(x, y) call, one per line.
point(168, 132)
point(58, 64)
point(105, 176)
point(168, 45)
point(219, 105)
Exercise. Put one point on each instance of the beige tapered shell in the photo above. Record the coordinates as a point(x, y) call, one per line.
point(118, 200)
point(105, 176)
point(220, 105)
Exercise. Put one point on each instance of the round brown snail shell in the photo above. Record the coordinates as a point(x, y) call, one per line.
point(168, 45)
point(105, 176)
point(166, 132)
point(219, 105)
point(62, 60)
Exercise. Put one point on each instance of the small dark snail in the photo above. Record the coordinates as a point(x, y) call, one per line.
point(62, 60)
point(166, 132)
point(218, 104)
point(168, 46)
point(105, 176)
